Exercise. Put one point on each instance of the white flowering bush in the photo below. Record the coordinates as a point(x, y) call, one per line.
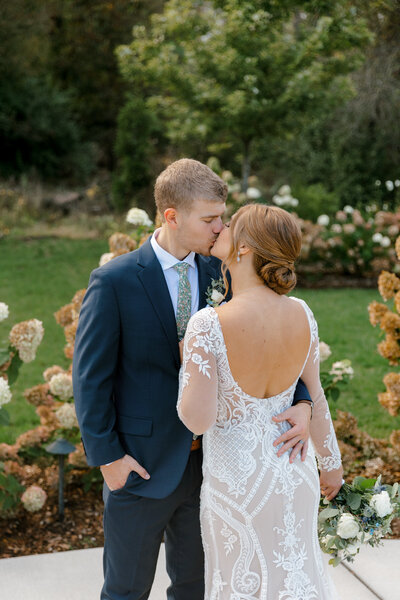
point(5, 392)
point(25, 337)
point(360, 514)
point(284, 198)
point(338, 376)
point(4, 311)
point(66, 416)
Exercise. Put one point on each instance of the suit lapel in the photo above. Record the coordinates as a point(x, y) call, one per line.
point(206, 272)
point(153, 281)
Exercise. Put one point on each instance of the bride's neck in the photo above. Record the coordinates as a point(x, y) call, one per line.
point(245, 281)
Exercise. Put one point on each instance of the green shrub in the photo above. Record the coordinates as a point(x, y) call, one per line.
point(315, 200)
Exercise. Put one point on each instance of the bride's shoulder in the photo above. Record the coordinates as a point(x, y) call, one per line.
point(305, 306)
point(203, 319)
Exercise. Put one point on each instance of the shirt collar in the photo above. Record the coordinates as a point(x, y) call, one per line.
point(167, 260)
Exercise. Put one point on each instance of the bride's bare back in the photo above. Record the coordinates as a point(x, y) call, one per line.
point(267, 338)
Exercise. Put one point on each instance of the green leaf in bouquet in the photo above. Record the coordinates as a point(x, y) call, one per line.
point(394, 490)
point(327, 513)
point(354, 500)
point(335, 561)
point(13, 369)
point(362, 483)
point(4, 417)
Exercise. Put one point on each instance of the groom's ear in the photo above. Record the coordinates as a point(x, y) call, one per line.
point(170, 216)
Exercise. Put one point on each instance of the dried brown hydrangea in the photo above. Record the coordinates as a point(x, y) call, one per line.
point(390, 349)
point(144, 238)
point(121, 241)
point(388, 284)
point(65, 315)
point(26, 337)
point(397, 247)
point(8, 451)
point(54, 370)
point(39, 395)
point(78, 458)
point(395, 436)
point(390, 323)
point(390, 403)
point(34, 437)
point(78, 299)
point(47, 417)
point(69, 351)
point(70, 331)
point(392, 382)
point(376, 311)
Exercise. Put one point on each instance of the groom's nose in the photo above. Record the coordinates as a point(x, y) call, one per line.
point(218, 226)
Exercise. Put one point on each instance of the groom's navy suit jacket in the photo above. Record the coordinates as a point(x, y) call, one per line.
point(125, 369)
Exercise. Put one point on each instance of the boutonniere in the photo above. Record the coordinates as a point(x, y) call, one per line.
point(215, 292)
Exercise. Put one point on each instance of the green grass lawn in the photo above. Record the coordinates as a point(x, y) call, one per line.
point(37, 277)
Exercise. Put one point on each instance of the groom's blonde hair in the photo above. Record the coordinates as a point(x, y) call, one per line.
point(185, 181)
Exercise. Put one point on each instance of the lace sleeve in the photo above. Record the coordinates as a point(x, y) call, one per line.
point(197, 399)
point(321, 428)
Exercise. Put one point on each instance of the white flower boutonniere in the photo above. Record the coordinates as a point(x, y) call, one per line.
point(215, 292)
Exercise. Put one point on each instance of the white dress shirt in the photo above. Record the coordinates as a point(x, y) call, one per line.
point(167, 262)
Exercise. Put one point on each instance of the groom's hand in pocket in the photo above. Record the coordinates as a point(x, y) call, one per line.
point(116, 473)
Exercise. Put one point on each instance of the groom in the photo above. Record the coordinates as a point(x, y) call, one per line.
point(125, 373)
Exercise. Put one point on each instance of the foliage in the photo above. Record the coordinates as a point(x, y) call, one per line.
point(136, 133)
point(214, 71)
point(315, 200)
point(10, 492)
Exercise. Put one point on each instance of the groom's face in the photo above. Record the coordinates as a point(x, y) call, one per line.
point(199, 227)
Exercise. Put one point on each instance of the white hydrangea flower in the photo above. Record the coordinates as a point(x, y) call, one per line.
point(5, 392)
point(138, 217)
point(323, 220)
point(285, 190)
point(385, 241)
point(33, 498)
point(336, 228)
point(26, 337)
point(341, 368)
point(324, 351)
point(67, 416)
point(381, 504)
point(105, 258)
point(253, 193)
point(377, 238)
point(389, 185)
point(347, 526)
point(4, 312)
point(348, 209)
point(397, 182)
point(61, 386)
point(377, 182)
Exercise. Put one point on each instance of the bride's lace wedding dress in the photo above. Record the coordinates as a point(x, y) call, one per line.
point(258, 512)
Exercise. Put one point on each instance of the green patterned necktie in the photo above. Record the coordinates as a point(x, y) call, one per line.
point(184, 307)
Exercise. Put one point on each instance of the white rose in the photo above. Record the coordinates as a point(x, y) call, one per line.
point(253, 193)
point(348, 209)
point(347, 526)
point(5, 392)
point(105, 258)
point(216, 296)
point(377, 238)
point(61, 385)
point(324, 351)
point(3, 311)
point(385, 241)
point(323, 220)
point(138, 217)
point(352, 549)
point(284, 190)
point(381, 504)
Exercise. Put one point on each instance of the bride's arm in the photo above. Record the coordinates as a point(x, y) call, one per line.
point(321, 427)
point(197, 399)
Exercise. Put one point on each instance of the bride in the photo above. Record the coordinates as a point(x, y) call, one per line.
point(241, 363)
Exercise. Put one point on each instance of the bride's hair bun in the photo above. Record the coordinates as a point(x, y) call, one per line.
point(280, 278)
point(274, 237)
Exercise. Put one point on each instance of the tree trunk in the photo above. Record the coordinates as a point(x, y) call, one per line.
point(245, 166)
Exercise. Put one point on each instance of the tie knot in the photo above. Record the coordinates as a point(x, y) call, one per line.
point(182, 268)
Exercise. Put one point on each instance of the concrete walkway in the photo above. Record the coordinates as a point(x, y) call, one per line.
point(77, 575)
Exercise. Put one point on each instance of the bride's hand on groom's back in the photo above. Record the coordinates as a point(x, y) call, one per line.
point(116, 474)
point(296, 438)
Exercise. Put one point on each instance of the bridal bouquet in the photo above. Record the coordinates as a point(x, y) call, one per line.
point(360, 514)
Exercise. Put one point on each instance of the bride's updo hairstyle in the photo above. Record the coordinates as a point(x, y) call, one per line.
point(274, 237)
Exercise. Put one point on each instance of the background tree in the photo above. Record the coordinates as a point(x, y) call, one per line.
point(224, 75)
